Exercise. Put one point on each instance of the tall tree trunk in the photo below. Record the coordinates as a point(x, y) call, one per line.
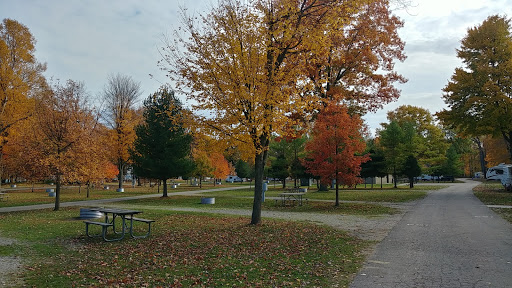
point(481, 151)
point(394, 177)
point(88, 188)
point(165, 188)
point(508, 139)
point(259, 164)
point(1, 166)
point(337, 203)
point(121, 174)
point(57, 192)
point(284, 183)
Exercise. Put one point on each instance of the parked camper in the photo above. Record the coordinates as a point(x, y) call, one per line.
point(503, 173)
point(232, 179)
point(424, 177)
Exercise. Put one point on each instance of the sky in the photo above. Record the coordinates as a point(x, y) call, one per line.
point(89, 40)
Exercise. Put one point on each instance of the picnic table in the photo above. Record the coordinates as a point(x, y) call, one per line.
point(293, 195)
point(126, 221)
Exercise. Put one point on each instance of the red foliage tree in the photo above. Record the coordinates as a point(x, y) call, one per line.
point(335, 150)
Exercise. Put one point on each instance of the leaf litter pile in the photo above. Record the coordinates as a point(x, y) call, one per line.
point(209, 251)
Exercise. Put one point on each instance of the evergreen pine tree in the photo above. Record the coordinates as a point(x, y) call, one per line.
point(163, 146)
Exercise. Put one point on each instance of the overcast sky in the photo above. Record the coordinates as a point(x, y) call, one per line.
point(88, 40)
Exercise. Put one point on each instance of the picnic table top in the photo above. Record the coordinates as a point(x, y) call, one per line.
point(117, 211)
point(291, 193)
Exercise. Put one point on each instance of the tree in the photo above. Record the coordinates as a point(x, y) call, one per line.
point(356, 63)
point(496, 151)
point(376, 166)
point(241, 65)
point(279, 169)
point(94, 166)
point(243, 169)
point(479, 95)
point(221, 167)
point(411, 169)
point(21, 77)
point(245, 63)
point(207, 154)
point(63, 136)
point(203, 165)
point(298, 171)
point(397, 143)
point(162, 149)
point(20, 154)
point(430, 141)
point(452, 165)
point(468, 152)
point(121, 93)
point(335, 151)
point(286, 151)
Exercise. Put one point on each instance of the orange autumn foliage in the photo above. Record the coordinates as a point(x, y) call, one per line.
point(496, 151)
point(336, 148)
point(220, 165)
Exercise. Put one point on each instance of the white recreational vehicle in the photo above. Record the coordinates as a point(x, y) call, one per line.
point(232, 179)
point(502, 172)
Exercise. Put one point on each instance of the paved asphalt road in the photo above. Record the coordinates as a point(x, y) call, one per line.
point(449, 239)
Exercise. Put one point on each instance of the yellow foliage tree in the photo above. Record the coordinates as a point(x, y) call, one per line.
point(243, 65)
point(20, 77)
point(64, 134)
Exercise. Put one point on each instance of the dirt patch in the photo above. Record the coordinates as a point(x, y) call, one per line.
point(10, 267)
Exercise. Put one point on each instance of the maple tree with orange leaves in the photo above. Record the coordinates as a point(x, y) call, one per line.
point(64, 139)
point(335, 152)
point(221, 168)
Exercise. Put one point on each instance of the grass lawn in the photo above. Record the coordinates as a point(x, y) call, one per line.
point(493, 193)
point(228, 202)
point(184, 250)
point(402, 194)
point(23, 195)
